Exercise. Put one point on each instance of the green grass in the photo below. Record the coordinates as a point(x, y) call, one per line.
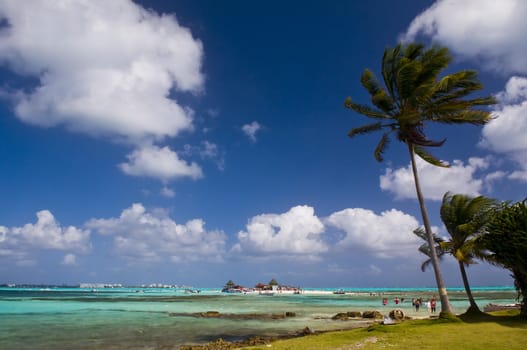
point(501, 330)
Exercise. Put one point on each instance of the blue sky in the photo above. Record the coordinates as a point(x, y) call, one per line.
point(194, 142)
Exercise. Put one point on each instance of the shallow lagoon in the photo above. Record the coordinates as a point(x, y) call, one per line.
point(75, 318)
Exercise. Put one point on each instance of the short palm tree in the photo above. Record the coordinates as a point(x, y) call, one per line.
point(414, 95)
point(425, 247)
point(464, 218)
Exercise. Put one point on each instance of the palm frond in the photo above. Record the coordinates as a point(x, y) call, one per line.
point(370, 82)
point(381, 147)
point(407, 73)
point(425, 248)
point(462, 116)
point(413, 50)
point(429, 158)
point(414, 135)
point(390, 64)
point(365, 110)
point(365, 129)
point(384, 101)
point(434, 61)
point(446, 246)
point(421, 233)
point(466, 80)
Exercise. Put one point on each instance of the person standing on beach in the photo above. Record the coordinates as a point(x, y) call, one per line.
point(433, 304)
point(417, 304)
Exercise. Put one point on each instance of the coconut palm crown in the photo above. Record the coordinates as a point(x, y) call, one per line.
point(465, 218)
point(412, 96)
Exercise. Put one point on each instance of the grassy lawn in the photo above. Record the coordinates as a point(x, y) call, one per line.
point(504, 331)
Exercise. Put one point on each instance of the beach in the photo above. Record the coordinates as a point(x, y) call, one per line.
point(158, 318)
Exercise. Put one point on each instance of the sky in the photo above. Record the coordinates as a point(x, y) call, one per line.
point(193, 142)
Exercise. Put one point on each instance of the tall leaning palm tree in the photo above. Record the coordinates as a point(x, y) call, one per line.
point(414, 95)
point(464, 218)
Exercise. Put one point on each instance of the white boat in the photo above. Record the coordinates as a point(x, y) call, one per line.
point(266, 293)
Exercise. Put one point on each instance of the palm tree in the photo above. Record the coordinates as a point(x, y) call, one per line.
point(425, 248)
point(464, 218)
point(412, 96)
point(506, 243)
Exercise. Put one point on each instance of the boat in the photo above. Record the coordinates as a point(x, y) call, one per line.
point(266, 293)
point(192, 291)
point(339, 291)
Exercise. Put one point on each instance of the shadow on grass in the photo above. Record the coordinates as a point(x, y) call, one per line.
point(508, 318)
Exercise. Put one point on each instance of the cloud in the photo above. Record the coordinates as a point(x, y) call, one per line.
point(251, 129)
point(69, 260)
point(111, 70)
point(143, 236)
point(207, 151)
point(295, 234)
point(387, 235)
point(160, 163)
point(506, 133)
point(487, 30)
point(435, 181)
point(46, 234)
point(167, 192)
point(104, 68)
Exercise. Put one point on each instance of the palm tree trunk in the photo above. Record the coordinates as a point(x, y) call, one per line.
point(443, 296)
point(520, 282)
point(471, 300)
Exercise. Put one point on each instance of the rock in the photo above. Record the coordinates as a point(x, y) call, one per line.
point(218, 344)
point(221, 344)
point(210, 314)
point(342, 316)
point(290, 314)
point(354, 314)
point(373, 314)
point(306, 331)
point(396, 314)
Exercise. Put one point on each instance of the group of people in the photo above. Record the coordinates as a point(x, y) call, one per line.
point(431, 304)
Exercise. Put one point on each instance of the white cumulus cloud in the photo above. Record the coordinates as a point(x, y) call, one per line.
point(159, 162)
point(152, 236)
point(293, 234)
point(167, 192)
point(251, 129)
point(435, 181)
point(386, 235)
point(487, 30)
point(506, 134)
point(69, 260)
point(45, 234)
point(104, 68)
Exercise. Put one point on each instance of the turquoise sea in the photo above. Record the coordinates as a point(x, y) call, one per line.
point(149, 318)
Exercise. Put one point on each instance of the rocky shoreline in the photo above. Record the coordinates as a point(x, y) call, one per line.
point(373, 316)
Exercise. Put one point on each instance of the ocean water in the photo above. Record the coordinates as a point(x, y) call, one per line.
point(75, 318)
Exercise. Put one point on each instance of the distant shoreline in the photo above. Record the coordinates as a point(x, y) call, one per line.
point(308, 290)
